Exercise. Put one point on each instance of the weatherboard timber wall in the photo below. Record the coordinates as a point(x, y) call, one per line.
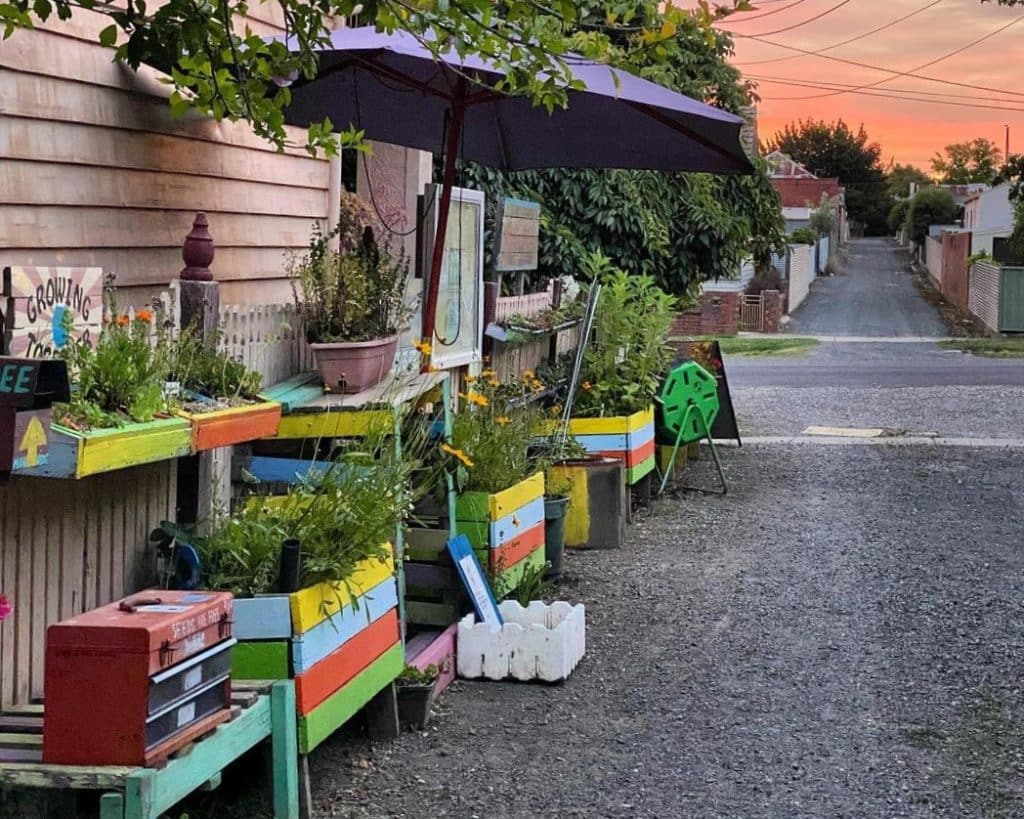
point(95, 171)
point(956, 247)
point(801, 274)
point(67, 547)
point(983, 294)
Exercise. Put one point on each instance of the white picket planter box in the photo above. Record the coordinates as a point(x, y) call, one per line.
point(539, 642)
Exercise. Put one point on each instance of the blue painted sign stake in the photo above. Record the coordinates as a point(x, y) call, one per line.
point(473, 579)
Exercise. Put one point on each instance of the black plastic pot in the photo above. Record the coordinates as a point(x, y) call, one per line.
point(554, 532)
point(414, 700)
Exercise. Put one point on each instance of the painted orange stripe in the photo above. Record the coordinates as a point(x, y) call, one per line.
point(634, 457)
point(515, 550)
point(340, 666)
point(258, 421)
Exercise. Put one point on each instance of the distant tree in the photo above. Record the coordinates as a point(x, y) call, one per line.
point(833, 149)
point(898, 215)
point(931, 206)
point(976, 160)
point(899, 177)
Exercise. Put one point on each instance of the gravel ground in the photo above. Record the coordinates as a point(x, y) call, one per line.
point(801, 647)
point(962, 411)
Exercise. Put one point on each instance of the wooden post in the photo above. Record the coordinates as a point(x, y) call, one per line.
point(283, 743)
point(200, 310)
point(382, 714)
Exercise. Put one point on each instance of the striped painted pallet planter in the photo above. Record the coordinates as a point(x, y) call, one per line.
point(629, 438)
point(235, 425)
point(80, 453)
point(506, 529)
point(340, 642)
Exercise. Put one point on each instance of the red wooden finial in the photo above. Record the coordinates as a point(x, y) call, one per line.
point(198, 251)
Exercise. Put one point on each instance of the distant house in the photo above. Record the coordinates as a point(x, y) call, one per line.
point(988, 214)
point(800, 189)
point(962, 193)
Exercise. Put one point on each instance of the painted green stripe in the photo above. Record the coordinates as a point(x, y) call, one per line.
point(341, 706)
point(637, 472)
point(508, 581)
point(264, 660)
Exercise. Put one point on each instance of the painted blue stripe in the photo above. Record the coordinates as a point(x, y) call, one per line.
point(284, 470)
point(504, 529)
point(603, 443)
point(642, 436)
point(332, 633)
point(262, 618)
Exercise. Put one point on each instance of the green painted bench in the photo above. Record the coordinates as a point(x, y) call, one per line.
point(147, 793)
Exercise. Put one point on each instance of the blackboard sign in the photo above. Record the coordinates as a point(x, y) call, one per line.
point(28, 388)
point(710, 357)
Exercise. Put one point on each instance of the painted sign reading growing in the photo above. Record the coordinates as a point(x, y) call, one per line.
point(43, 302)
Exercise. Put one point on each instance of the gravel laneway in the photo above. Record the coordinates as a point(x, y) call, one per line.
point(837, 637)
point(874, 296)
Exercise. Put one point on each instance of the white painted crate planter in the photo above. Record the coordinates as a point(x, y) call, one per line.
point(539, 642)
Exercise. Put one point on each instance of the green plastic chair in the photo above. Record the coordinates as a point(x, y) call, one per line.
point(686, 407)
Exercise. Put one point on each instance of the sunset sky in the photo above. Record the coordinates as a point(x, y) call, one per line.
point(909, 131)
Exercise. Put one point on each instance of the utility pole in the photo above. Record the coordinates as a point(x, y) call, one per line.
point(1006, 156)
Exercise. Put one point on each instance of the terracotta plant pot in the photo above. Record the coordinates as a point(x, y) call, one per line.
point(353, 366)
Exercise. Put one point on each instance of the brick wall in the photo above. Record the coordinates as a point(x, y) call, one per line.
point(718, 314)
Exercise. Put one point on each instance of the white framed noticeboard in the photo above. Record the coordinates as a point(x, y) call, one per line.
point(458, 322)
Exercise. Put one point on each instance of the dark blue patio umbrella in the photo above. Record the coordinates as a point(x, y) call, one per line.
point(396, 90)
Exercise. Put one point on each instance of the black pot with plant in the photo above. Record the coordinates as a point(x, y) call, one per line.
point(555, 508)
point(416, 695)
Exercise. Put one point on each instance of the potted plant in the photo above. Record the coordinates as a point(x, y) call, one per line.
point(622, 370)
point(352, 303)
point(416, 694)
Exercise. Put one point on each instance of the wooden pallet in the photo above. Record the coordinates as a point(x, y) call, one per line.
point(260, 711)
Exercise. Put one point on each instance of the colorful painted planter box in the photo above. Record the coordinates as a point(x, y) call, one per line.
point(506, 529)
point(341, 643)
point(539, 642)
point(629, 438)
point(234, 425)
point(80, 453)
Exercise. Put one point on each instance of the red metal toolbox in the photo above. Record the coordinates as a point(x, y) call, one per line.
point(129, 683)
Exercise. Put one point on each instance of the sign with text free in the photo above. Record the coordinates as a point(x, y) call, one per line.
point(43, 302)
point(28, 387)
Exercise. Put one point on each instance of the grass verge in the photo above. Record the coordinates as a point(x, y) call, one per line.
point(987, 347)
point(781, 346)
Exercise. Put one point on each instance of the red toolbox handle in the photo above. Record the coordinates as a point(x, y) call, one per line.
point(131, 606)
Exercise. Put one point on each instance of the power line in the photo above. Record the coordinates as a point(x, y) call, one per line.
point(886, 70)
point(854, 39)
point(769, 13)
point(827, 11)
point(883, 93)
point(799, 81)
point(909, 73)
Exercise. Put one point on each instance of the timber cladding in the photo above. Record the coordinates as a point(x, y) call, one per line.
point(94, 171)
point(67, 547)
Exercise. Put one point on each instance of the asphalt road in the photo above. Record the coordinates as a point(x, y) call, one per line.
point(874, 296)
point(874, 364)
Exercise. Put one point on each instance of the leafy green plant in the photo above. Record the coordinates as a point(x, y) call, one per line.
point(492, 430)
point(930, 206)
point(411, 675)
point(197, 364)
point(533, 585)
point(803, 236)
point(626, 360)
point(118, 379)
point(356, 294)
point(980, 256)
point(340, 518)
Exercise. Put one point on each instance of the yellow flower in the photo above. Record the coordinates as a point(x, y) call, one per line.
point(488, 374)
point(475, 398)
point(503, 420)
point(469, 379)
point(423, 346)
point(528, 375)
point(457, 453)
point(494, 382)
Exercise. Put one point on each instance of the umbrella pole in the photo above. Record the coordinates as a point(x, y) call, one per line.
point(443, 209)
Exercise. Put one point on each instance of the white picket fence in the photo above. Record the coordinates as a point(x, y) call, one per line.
point(267, 338)
point(528, 306)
